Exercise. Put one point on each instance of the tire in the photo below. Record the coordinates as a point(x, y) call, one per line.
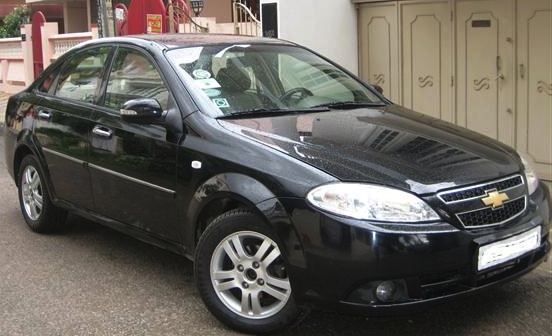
point(37, 208)
point(241, 274)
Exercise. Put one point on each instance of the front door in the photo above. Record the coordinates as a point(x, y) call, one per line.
point(485, 54)
point(133, 167)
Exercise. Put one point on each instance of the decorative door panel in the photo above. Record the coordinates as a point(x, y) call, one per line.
point(485, 53)
point(535, 83)
point(427, 58)
point(379, 47)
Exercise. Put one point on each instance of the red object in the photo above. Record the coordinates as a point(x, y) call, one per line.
point(137, 15)
point(38, 21)
point(181, 4)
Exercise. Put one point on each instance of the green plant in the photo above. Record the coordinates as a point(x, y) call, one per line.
point(10, 25)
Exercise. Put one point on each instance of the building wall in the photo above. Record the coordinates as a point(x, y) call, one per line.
point(328, 27)
point(482, 64)
point(220, 9)
point(76, 17)
point(7, 6)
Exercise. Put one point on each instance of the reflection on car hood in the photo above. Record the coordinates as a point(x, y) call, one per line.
point(390, 145)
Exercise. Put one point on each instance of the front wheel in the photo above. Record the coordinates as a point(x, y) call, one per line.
point(241, 274)
point(39, 212)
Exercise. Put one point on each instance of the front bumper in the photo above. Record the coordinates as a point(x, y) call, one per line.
point(345, 260)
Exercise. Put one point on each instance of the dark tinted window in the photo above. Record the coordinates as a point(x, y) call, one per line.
point(134, 76)
point(80, 78)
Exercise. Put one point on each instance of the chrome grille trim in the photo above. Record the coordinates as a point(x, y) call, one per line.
point(466, 205)
point(485, 186)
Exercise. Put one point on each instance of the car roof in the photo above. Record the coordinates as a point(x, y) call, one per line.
point(193, 39)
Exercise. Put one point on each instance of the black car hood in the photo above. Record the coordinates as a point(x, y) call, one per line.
point(390, 145)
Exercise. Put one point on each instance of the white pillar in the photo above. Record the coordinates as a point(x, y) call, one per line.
point(27, 50)
point(48, 29)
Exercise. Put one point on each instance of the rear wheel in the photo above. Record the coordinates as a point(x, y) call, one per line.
point(39, 212)
point(241, 274)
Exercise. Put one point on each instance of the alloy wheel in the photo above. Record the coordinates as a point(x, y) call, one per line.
point(32, 193)
point(249, 276)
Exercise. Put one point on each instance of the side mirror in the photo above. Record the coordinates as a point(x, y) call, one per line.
point(142, 111)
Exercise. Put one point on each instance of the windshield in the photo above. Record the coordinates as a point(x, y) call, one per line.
point(241, 79)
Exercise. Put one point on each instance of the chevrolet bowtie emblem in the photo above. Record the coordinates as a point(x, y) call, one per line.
point(495, 198)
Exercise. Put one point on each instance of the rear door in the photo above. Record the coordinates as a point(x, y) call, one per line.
point(63, 123)
point(133, 167)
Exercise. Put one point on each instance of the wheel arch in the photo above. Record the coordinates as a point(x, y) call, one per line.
point(19, 154)
point(229, 191)
point(26, 148)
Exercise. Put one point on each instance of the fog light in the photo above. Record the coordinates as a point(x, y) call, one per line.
point(386, 291)
point(382, 291)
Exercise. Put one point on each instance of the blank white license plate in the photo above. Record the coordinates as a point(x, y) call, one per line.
point(507, 249)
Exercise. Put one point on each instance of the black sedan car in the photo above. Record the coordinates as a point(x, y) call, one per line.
point(288, 181)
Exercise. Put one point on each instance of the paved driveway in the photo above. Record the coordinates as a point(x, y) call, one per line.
point(94, 281)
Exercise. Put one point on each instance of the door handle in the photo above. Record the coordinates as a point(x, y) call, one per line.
point(499, 76)
point(44, 114)
point(102, 131)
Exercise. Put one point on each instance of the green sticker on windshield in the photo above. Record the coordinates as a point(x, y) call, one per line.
point(221, 102)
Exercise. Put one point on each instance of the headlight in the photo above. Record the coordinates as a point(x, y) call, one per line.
point(530, 175)
point(365, 201)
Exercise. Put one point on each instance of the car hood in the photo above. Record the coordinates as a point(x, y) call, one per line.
point(389, 145)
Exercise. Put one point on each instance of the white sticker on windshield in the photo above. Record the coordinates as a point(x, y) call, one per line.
point(186, 55)
point(207, 83)
point(212, 92)
point(220, 102)
point(201, 74)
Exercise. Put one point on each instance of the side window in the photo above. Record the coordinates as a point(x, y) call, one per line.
point(81, 77)
point(134, 76)
point(46, 85)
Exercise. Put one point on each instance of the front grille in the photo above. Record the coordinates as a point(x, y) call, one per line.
point(488, 216)
point(468, 206)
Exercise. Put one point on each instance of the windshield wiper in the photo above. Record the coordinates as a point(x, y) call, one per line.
point(265, 112)
point(349, 105)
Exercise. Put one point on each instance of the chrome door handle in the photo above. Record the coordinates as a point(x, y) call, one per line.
point(102, 131)
point(44, 114)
